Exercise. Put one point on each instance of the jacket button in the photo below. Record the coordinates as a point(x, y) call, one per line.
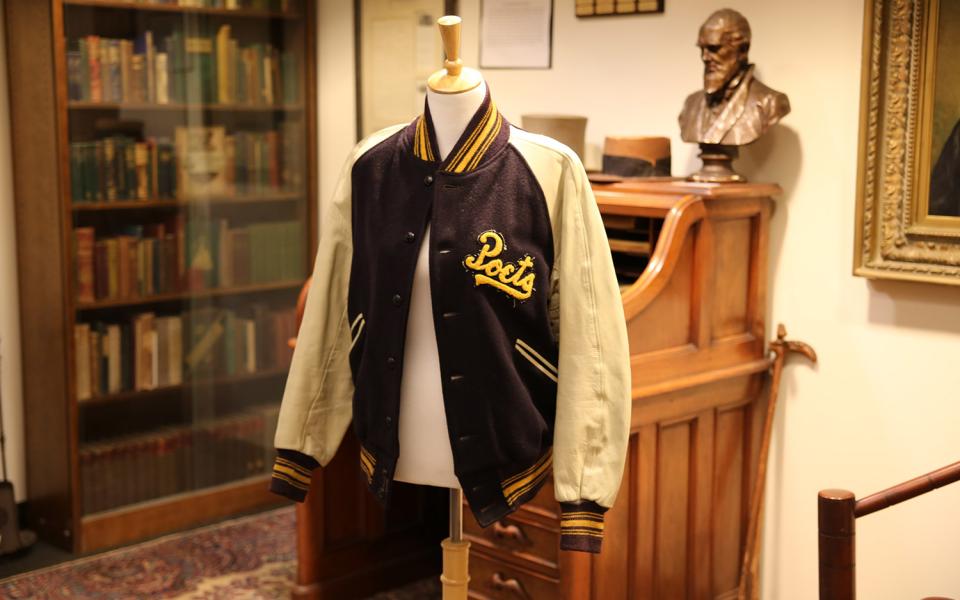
point(428, 180)
point(410, 237)
point(381, 494)
point(391, 361)
point(389, 419)
point(397, 299)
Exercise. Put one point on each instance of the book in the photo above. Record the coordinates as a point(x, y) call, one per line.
point(81, 341)
point(126, 56)
point(162, 80)
point(202, 64)
point(84, 243)
point(205, 330)
point(223, 65)
point(113, 349)
point(198, 54)
point(74, 75)
point(201, 161)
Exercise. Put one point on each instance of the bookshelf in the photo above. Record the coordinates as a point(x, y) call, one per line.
point(166, 206)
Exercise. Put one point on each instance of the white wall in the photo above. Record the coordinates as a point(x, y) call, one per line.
point(11, 389)
point(882, 406)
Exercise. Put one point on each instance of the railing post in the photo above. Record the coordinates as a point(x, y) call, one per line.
point(835, 512)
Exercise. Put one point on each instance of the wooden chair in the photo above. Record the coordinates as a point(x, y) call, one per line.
point(837, 513)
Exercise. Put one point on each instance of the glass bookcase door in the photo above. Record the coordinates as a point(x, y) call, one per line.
point(187, 136)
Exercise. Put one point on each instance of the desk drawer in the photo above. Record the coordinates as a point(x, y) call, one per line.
point(491, 579)
point(519, 536)
point(544, 502)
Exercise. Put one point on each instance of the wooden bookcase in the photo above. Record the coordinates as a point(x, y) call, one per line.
point(165, 224)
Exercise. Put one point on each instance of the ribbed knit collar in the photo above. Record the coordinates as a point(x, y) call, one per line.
point(485, 134)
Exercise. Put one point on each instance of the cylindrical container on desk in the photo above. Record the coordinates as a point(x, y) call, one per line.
point(568, 129)
point(636, 156)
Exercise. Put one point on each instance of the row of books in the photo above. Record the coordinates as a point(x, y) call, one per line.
point(201, 162)
point(183, 67)
point(151, 351)
point(120, 167)
point(185, 255)
point(178, 459)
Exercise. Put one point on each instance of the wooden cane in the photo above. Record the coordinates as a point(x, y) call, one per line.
point(781, 348)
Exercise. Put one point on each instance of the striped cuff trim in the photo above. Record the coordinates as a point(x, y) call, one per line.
point(292, 472)
point(581, 526)
point(517, 486)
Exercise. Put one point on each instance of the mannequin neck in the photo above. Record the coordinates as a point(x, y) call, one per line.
point(451, 113)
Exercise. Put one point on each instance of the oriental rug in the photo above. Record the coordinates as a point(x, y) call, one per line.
point(251, 558)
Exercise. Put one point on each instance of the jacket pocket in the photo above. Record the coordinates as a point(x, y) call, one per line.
point(356, 329)
point(536, 359)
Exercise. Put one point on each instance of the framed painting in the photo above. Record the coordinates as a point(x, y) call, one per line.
point(908, 189)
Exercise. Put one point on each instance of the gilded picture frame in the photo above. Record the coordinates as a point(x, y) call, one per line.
point(897, 234)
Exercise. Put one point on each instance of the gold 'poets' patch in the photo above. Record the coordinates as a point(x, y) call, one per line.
point(514, 279)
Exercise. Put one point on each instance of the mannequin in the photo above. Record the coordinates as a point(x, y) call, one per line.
point(454, 94)
point(425, 454)
point(497, 206)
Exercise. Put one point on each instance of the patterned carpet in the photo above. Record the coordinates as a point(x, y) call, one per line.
point(253, 558)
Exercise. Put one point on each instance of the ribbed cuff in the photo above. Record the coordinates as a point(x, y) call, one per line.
point(291, 474)
point(581, 526)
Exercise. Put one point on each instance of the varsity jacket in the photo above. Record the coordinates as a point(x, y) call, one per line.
point(527, 312)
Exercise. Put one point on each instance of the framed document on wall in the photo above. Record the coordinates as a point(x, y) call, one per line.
point(516, 34)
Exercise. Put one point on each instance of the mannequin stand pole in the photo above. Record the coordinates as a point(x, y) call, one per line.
point(456, 551)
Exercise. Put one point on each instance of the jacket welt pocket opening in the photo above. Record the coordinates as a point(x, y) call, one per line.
point(536, 359)
point(356, 328)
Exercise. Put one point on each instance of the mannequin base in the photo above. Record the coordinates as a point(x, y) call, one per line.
point(456, 572)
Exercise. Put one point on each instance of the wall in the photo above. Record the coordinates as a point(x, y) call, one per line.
point(881, 407)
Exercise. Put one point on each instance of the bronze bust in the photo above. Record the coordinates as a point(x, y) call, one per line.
point(734, 108)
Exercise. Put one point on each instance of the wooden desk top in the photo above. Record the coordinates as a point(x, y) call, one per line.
point(655, 197)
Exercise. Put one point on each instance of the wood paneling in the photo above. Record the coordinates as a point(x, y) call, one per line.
point(349, 548)
point(672, 521)
point(700, 373)
point(729, 291)
point(153, 518)
point(728, 501)
point(671, 306)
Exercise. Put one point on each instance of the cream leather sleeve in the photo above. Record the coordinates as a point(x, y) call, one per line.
point(592, 426)
point(317, 404)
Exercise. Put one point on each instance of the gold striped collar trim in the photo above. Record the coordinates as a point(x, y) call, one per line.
point(481, 133)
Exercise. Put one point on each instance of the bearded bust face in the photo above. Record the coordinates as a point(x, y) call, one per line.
point(724, 42)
